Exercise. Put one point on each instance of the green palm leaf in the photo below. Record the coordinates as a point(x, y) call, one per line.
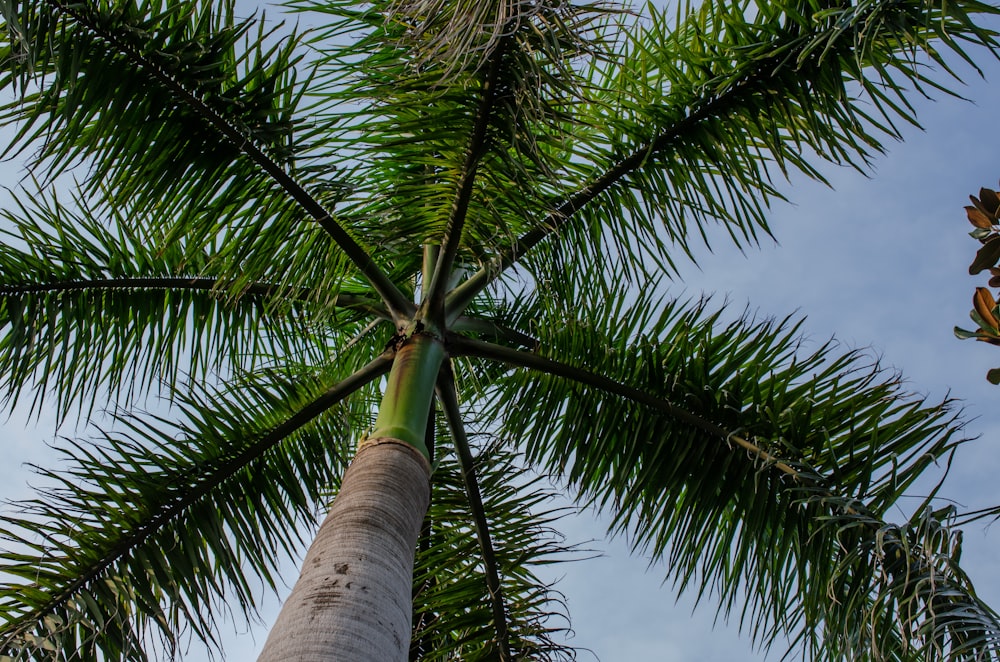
point(223, 115)
point(180, 67)
point(154, 525)
point(90, 309)
point(740, 461)
point(700, 115)
point(449, 568)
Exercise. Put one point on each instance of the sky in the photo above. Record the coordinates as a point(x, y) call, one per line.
point(878, 262)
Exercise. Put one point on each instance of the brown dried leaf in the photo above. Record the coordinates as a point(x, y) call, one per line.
point(984, 304)
point(978, 218)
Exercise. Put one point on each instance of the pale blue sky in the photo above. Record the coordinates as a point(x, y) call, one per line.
point(878, 262)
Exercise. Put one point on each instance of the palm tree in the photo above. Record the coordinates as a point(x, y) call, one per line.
point(426, 235)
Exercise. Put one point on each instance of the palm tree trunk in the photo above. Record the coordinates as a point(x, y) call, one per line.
point(352, 601)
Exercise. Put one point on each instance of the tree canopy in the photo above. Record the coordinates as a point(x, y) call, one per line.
point(250, 219)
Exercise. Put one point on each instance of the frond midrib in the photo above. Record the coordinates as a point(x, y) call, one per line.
point(842, 510)
point(447, 394)
point(799, 471)
point(452, 237)
point(196, 283)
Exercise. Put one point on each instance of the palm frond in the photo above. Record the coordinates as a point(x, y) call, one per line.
point(701, 115)
point(177, 64)
point(723, 450)
point(155, 525)
point(449, 569)
point(217, 101)
point(441, 142)
point(449, 401)
point(120, 311)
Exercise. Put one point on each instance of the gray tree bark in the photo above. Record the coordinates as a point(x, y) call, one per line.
point(353, 599)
